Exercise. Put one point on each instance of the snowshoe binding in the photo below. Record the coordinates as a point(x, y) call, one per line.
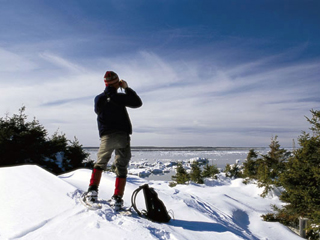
point(90, 200)
point(117, 203)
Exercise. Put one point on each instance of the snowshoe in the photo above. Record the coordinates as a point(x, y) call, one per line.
point(91, 196)
point(116, 202)
point(90, 200)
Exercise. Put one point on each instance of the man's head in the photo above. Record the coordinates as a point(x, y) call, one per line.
point(111, 78)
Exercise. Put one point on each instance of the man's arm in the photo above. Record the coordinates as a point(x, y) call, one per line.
point(131, 98)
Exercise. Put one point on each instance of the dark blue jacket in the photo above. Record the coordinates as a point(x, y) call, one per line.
point(110, 106)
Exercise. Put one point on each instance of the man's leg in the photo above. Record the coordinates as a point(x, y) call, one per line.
point(122, 158)
point(104, 155)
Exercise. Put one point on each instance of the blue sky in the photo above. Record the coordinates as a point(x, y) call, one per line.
point(210, 73)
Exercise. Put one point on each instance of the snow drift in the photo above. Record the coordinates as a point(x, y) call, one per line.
point(38, 205)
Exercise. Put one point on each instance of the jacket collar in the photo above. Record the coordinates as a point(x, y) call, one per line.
point(110, 90)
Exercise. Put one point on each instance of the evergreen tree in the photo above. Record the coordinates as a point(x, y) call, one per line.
point(24, 142)
point(271, 165)
point(73, 153)
point(21, 141)
point(301, 179)
point(250, 166)
point(181, 177)
point(264, 179)
point(233, 170)
point(209, 171)
point(275, 159)
point(268, 167)
point(195, 174)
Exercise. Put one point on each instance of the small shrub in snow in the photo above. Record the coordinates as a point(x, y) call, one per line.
point(181, 177)
point(210, 171)
point(233, 170)
point(195, 174)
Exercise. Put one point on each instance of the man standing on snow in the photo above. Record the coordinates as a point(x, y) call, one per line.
point(114, 129)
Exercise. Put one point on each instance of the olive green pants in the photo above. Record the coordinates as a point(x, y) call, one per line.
point(120, 143)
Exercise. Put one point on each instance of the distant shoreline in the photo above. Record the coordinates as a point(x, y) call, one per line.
point(146, 148)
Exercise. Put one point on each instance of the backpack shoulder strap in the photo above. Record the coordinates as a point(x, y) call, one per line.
point(156, 210)
point(133, 198)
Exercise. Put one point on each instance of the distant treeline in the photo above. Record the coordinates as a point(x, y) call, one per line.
point(147, 148)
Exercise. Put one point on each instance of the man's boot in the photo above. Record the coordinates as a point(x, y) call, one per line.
point(118, 193)
point(92, 194)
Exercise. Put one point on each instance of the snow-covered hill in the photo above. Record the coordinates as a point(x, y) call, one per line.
point(35, 204)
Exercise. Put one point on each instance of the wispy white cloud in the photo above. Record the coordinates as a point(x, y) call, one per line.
point(229, 103)
point(61, 62)
point(242, 104)
point(12, 62)
point(204, 80)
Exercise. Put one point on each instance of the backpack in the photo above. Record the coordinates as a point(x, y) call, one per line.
point(156, 210)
